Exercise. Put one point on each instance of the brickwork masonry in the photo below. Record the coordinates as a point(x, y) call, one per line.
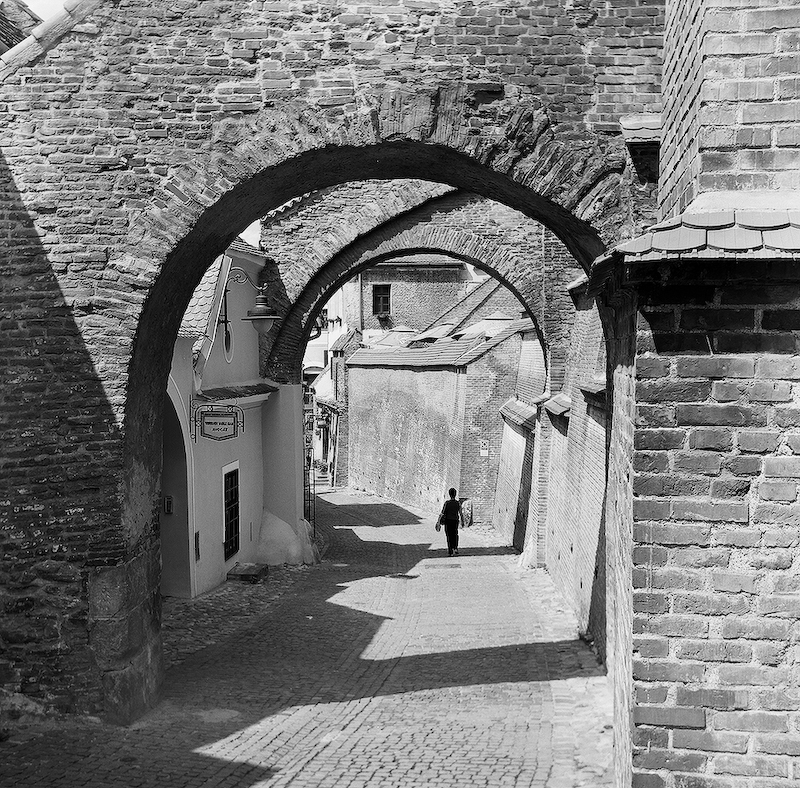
point(715, 540)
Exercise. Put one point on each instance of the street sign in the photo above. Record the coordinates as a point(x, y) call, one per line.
point(217, 422)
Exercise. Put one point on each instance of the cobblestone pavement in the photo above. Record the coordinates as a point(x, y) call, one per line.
point(388, 664)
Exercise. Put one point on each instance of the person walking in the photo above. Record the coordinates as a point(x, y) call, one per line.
point(451, 516)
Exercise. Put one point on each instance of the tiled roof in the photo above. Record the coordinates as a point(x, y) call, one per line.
point(421, 260)
point(437, 332)
point(731, 233)
point(442, 353)
point(559, 405)
point(10, 34)
point(463, 309)
point(490, 326)
point(523, 324)
point(399, 335)
point(195, 319)
point(728, 234)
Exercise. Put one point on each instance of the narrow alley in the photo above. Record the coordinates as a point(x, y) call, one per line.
point(388, 664)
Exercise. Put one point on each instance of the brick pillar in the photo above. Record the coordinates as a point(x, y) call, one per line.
point(716, 591)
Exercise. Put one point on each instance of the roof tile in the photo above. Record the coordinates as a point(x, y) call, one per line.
point(734, 238)
point(679, 239)
point(196, 316)
point(762, 220)
point(644, 243)
point(714, 220)
point(787, 238)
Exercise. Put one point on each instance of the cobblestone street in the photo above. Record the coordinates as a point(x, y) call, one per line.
point(388, 664)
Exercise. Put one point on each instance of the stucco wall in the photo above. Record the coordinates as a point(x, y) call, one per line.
point(406, 431)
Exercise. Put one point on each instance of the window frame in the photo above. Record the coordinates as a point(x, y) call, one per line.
point(378, 299)
point(231, 542)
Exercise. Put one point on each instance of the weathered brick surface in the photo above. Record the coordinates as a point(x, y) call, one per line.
point(135, 146)
point(715, 606)
point(324, 245)
point(730, 100)
point(573, 480)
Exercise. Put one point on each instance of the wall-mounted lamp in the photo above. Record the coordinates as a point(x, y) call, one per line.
point(261, 317)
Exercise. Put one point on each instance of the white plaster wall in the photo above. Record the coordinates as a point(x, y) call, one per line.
point(210, 457)
point(282, 538)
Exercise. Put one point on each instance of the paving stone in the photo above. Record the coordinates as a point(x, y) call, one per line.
point(386, 664)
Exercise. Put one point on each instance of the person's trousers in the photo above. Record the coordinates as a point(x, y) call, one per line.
point(451, 532)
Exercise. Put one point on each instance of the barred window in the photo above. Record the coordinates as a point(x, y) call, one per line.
point(231, 499)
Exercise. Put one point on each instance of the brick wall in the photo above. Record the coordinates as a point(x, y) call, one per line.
point(731, 100)
point(575, 479)
point(418, 295)
point(683, 83)
point(716, 597)
point(490, 381)
point(618, 310)
point(135, 149)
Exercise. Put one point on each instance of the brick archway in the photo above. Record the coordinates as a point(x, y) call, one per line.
point(162, 196)
point(491, 236)
point(214, 227)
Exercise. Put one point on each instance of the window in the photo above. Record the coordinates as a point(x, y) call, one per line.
point(380, 299)
point(231, 512)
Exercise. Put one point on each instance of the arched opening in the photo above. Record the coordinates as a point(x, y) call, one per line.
point(229, 215)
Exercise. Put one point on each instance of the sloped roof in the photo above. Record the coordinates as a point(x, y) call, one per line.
point(421, 260)
point(400, 335)
point(490, 326)
point(523, 324)
point(710, 234)
point(462, 310)
point(10, 34)
point(645, 127)
point(236, 392)
point(197, 315)
point(437, 332)
point(445, 352)
point(345, 339)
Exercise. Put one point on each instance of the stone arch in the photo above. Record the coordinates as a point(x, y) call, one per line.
point(467, 229)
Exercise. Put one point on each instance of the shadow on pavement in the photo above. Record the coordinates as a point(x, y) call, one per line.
point(218, 720)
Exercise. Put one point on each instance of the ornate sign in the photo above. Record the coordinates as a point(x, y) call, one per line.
point(217, 422)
